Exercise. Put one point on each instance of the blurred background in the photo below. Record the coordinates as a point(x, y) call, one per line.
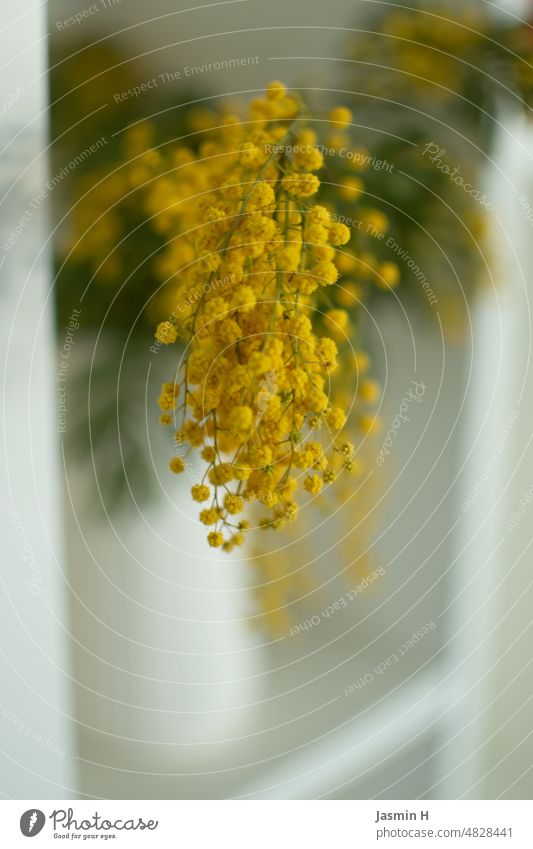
point(379, 648)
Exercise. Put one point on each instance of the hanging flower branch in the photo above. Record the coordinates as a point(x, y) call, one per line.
point(252, 261)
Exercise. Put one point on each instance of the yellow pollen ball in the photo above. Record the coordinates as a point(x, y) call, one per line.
point(215, 539)
point(200, 492)
point(340, 117)
point(388, 274)
point(166, 333)
point(177, 465)
point(275, 90)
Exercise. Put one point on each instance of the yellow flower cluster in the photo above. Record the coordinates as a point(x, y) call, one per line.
point(251, 256)
point(104, 204)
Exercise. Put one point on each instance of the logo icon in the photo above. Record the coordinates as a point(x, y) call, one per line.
point(32, 822)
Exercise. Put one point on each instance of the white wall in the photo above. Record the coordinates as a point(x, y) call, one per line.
point(36, 746)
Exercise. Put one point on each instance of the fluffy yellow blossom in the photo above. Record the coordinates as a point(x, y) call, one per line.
point(336, 418)
point(240, 421)
point(324, 252)
point(233, 503)
point(300, 185)
point(350, 294)
point(313, 484)
point(251, 155)
point(166, 333)
point(319, 215)
point(177, 465)
point(169, 393)
point(340, 117)
point(347, 449)
point(375, 220)
point(369, 390)
point(210, 516)
point(307, 158)
point(221, 474)
point(337, 323)
point(339, 234)
point(327, 273)
point(193, 433)
point(200, 492)
point(327, 352)
point(215, 539)
point(351, 189)
point(388, 275)
point(288, 257)
point(275, 90)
